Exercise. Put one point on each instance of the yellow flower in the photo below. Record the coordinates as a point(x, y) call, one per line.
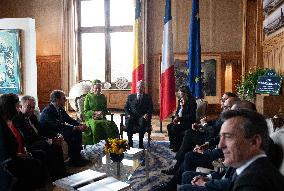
point(116, 146)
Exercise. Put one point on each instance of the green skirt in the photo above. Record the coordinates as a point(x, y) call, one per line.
point(99, 130)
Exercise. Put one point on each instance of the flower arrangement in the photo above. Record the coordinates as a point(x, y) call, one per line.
point(116, 146)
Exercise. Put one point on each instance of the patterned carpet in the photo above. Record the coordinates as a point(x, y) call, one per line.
point(160, 157)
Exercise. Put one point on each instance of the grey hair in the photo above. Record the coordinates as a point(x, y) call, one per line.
point(140, 83)
point(25, 98)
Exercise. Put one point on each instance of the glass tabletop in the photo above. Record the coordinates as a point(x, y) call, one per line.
point(123, 170)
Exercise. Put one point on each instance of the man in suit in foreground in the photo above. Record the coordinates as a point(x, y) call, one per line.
point(244, 140)
point(138, 109)
point(55, 120)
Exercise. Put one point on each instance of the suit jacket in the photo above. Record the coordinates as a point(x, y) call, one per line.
point(136, 108)
point(259, 175)
point(188, 112)
point(218, 183)
point(56, 122)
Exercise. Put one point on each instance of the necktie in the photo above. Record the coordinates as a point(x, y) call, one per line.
point(139, 98)
point(234, 177)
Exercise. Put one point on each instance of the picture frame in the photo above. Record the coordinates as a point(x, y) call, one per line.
point(10, 61)
point(211, 69)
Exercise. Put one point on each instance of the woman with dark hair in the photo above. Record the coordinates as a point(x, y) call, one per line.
point(184, 117)
point(28, 171)
point(95, 110)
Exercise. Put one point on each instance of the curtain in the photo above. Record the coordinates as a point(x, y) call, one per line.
point(69, 66)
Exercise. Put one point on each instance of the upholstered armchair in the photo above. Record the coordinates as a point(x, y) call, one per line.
point(77, 96)
point(122, 128)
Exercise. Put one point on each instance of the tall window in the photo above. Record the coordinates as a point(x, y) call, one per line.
point(107, 39)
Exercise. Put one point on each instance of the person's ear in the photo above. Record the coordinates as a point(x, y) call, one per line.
point(256, 141)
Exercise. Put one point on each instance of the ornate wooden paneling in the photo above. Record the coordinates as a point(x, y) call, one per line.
point(116, 99)
point(273, 53)
point(49, 77)
point(252, 35)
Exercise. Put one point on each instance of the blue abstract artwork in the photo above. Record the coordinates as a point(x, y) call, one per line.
point(10, 57)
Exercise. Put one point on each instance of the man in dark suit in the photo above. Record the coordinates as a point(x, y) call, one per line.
point(200, 133)
point(30, 128)
point(244, 139)
point(55, 120)
point(138, 109)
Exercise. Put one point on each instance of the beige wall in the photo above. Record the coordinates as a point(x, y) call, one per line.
point(48, 19)
point(221, 25)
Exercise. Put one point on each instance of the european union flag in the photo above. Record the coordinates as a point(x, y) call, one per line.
point(194, 52)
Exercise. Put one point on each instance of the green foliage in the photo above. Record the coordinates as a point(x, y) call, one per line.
point(246, 86)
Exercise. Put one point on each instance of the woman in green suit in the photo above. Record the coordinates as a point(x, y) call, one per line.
point(95, 110)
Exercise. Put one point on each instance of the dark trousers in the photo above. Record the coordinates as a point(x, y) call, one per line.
point(190, 139)
point(74, 142)
point(193, 160)
point(54, 157)
point(6, 179)
point(175, 133)
point(136, 125)
point(29, 172)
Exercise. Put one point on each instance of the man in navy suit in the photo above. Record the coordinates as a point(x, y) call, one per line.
point(138, 109)
point(55, 120)
point(244, 139)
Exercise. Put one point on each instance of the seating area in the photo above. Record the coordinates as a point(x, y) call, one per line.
point(137, 95)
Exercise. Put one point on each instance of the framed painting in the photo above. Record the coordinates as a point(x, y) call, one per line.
point(210, 74)
point(10, 61)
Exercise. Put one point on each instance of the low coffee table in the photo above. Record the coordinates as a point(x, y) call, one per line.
point(123, 170)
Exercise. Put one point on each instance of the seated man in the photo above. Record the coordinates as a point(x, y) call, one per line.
point(138, 109)
point(29, 126)
point(55, 120)
point(201, 133)
point(244, 139)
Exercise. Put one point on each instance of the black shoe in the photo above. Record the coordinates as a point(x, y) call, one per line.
point(161, 187)
point(170, 171)
point(174, 149)
point(141, 147)
point(78, 163)
point(85, 160)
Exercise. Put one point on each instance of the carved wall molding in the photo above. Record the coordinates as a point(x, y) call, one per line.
point(49, 77)
point(273, 42)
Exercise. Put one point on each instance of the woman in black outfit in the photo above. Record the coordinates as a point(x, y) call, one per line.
point(184, 117)
point(28, 172)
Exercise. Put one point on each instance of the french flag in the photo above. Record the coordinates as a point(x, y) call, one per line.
point(167, 78)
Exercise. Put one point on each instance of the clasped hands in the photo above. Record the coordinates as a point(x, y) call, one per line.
point(145, 116)
point(199, 180)
point(196, 126)
point(98, 115)
point(201, 148)
point(81, 127)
